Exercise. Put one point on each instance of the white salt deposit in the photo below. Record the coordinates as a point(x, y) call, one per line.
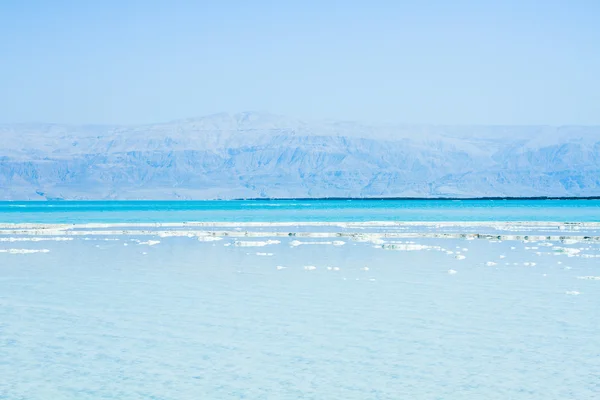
point(249, 243)
point(209, 238)
point(569, 241)
point(407, 247)
point(165, 234)
point(34, 239)
point(590, 256)
point(295, 243)
point(569, 251)
point(24, 251)
point(150, 242)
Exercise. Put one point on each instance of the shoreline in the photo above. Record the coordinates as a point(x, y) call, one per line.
point(356, 231)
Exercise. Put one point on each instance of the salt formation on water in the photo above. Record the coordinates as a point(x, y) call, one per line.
point(407, 247)
point(566, 250)
point(590, 278)
point(35, 239)
point(150, 242)
point(209, 238)
point(24, 251)
point(249, 243)
point(296, 243)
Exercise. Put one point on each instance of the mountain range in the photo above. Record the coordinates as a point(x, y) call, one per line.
point(254, 155)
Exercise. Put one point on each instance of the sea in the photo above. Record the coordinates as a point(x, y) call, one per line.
point(300, 210)
point(300, 299)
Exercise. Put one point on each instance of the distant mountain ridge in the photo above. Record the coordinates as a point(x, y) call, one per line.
point(254, 155)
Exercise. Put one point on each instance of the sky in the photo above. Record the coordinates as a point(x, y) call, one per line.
point(515, 62)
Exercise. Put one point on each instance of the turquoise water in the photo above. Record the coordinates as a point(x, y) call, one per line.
point(301, 210)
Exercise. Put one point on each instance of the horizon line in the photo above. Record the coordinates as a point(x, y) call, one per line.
point(508, 198)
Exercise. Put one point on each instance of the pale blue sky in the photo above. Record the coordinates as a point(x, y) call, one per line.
point(482, 62)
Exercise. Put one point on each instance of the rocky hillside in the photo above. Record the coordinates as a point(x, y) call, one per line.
point(262, 155)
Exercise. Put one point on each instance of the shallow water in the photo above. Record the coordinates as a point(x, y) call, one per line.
point(135, 317)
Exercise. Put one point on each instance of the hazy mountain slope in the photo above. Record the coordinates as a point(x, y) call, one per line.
point(257, 155)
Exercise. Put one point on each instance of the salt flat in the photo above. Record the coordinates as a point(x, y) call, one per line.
point(128, 316)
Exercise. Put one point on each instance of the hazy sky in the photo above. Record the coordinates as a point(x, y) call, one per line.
point(485, 62)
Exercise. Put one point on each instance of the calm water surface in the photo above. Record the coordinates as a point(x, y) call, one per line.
point(301, 210)
point(183, 319)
